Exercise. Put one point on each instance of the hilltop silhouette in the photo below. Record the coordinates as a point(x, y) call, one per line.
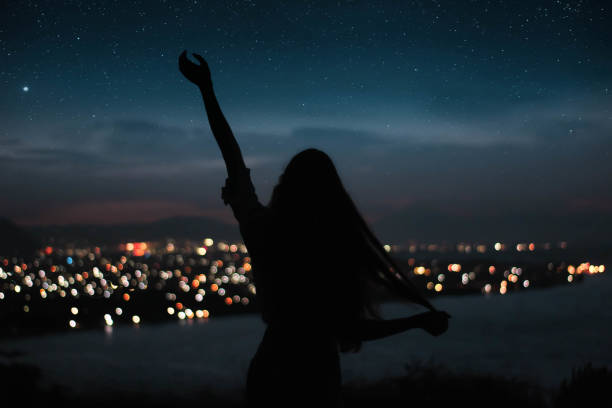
point(191, 227)
point(16, 241)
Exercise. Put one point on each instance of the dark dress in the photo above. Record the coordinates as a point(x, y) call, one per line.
point(297, 362)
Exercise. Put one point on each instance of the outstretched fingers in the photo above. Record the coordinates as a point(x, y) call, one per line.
point(183, 61)
point(200, 58)
point(203, 64)
point(183, 58)
point(199, 74)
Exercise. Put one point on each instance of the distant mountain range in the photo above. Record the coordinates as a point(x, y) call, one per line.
point(15, 241)
point(175, 227)
point(430, 225)
point(412, 224)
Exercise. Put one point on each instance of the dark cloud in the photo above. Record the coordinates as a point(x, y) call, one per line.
point(575, 130)
point(141, 139)
point(335, 138)
point(9, 141)
point(136, 155)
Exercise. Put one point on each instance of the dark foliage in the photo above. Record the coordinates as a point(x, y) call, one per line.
point(430, 385)
point(424, 385)
point(588, 387)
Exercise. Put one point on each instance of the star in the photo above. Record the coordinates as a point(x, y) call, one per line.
point(25, 88)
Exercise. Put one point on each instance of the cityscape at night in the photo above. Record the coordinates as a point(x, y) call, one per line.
point(147, 282)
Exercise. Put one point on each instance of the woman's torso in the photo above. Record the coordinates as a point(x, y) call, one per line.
point(298, 356)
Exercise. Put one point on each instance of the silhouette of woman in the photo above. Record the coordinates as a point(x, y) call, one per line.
point(313, 259)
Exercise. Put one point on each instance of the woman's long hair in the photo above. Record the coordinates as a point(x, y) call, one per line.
point(313, 206)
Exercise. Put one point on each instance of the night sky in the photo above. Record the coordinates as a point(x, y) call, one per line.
point(468, 107)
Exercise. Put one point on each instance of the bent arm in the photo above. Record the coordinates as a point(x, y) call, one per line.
point(230, 149)
point(434, 323)
point(367, 329)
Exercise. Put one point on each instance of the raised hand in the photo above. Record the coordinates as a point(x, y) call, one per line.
point(435, 323)
point(197, 74)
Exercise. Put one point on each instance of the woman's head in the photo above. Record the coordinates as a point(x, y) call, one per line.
point(313, 207)
point(309, 186)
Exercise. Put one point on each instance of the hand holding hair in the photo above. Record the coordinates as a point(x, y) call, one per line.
point(434, 322)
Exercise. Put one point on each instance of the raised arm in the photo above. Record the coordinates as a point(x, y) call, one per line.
point(435, 323)
point(200, 76)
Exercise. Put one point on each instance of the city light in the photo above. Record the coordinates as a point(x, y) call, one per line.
point(195, 280)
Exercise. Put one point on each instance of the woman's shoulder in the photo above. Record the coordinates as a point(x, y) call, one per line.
point(257, 219)
point(239, 193)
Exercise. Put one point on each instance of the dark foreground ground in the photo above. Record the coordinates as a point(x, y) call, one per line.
point(423, 385)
